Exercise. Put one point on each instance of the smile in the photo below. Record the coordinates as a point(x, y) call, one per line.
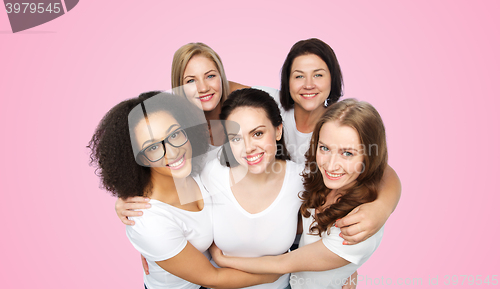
point(177, 164)
point(206, 97)
point(310, 95)
point(255, 159)
point(333, 176)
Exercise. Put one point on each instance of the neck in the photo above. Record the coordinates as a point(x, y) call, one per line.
point(213, 114)
point(305, 121)
point(167, 189)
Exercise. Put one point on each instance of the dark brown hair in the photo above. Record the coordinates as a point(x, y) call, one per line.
point(256, 98)
point(323, 51)
point(365, 120)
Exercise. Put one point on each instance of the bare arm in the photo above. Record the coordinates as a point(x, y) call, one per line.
point(365, 220)
point(191, 265)
point(312, 257)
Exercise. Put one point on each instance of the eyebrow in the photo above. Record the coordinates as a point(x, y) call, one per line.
point(346, 148)
point(168, 131)
point(211, 70)
point(253, 130)
point(316, 70)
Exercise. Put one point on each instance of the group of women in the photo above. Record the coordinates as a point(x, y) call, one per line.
point(268, 165)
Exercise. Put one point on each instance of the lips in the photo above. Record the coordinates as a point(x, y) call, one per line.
point(333, 176)
point(206, 97)
point(254, 159)
point(178, 163)
point(309, 95)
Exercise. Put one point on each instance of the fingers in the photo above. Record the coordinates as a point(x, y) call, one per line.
point(352, 218)
point(145, 265)
point(136, 206)
point(137, 199)
point(127, 221)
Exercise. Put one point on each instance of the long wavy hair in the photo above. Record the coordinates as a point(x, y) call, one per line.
point(365, 120)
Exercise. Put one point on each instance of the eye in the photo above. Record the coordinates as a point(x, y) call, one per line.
point(211, 76)
point(153, 148)
point(347, 154)
point(174, 135)
point(235, 139)
point(318, 75)
point(299, 76)
point(258, 133)
point(190, 81)
point(323, 148)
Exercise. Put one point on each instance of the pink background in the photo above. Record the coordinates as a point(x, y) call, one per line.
point(430, 67)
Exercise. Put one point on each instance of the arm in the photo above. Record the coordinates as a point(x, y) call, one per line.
point(191, 265)
point(365, 220)
point(235, 86)
point(312, 257)
point(126, 208)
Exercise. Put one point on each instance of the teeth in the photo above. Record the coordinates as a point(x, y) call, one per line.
point(177, 163)
point(309, 95)
point(255, 157)
point(333, 175)
point(206, 97)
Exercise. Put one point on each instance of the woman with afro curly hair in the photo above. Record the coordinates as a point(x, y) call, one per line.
point(151, 146)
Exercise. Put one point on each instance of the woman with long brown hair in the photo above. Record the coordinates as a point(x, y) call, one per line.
point(344, 168)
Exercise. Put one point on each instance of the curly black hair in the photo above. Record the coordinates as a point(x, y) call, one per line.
point(111, 147)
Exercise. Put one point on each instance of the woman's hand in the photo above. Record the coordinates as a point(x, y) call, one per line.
point(217, 255)
point(127, 208)
point(362, 222)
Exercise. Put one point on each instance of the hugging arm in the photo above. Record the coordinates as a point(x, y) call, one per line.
point(191, 265)
point(128, 208)
point(312, 257)
point(367, 219)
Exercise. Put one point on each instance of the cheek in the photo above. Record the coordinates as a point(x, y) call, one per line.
point(357, 167)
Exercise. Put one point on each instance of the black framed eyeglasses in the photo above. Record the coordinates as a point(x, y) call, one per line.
point(156, 151)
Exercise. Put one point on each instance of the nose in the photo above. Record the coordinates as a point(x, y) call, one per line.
point(333, 163)
point(309, 83)
point(249, 146)
point(202, 86)
point(171, 153)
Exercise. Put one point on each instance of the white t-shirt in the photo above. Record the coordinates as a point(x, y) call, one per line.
point(356, 254)
point(164, 230)
point(242, 234)
point(297, 143)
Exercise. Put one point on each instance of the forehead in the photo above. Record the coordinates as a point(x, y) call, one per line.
point(308, 61)
point(159, 124)
point(334, 134)
point(249, 118)
point(199, 63)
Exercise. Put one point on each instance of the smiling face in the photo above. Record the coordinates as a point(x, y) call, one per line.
point(339, 155)
point(202, 82)
point(176, 162)
point(254, 144)
point(310, 82)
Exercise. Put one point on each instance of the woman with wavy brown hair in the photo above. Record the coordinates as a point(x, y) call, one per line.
point(345, 165)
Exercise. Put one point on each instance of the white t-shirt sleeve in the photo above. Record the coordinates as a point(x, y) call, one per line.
point(157, 237)
point(353, 253)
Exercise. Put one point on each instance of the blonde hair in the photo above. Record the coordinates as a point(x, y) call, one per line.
point(185, 53)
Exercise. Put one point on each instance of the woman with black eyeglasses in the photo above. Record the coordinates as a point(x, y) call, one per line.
point(152, 146)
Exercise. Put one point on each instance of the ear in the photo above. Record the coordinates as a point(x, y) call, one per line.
point(279, 132)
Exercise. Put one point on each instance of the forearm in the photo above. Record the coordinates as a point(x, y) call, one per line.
point(232, 278)
point(260, 265)
point(389, 190)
